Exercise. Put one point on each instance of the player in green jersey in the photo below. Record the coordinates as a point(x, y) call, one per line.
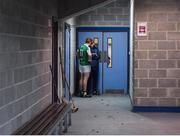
point(84, 55)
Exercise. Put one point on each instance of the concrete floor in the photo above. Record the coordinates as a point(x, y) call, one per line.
point(111, 115)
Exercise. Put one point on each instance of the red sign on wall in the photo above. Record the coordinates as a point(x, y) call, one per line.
point(142, 29)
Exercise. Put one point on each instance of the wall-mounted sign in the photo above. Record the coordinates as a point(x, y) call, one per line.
point(142, 29)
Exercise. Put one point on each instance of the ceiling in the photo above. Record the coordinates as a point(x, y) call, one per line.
point(69, 7)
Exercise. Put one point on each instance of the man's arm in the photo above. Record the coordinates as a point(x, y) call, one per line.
point(98, 54)
point(89, 54)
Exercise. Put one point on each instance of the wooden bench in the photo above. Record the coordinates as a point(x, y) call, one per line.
point(50, 121)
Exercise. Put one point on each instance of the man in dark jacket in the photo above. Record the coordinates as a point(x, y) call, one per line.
point(93, 79)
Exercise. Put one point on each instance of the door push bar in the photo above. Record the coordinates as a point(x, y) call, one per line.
point(104, 57)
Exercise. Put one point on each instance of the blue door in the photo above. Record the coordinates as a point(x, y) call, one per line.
point(67, 60)
point(113, 70)
point(116, 60)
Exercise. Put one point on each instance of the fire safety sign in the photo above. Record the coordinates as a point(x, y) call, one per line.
point(142, 29)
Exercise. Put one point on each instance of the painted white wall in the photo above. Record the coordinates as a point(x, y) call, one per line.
point(72, 23)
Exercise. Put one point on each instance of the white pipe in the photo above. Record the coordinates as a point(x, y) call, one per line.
point(131, 48)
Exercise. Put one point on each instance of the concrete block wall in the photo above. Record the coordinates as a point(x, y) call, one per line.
point(114, 14)
point(25, 56)
point(157, 65)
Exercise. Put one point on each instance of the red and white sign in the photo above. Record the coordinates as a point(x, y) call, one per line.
point(142, 29)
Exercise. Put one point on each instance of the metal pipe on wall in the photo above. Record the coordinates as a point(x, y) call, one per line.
point(131, 48)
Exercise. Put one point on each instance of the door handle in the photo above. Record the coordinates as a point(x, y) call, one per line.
point(107, 58)
point(104, 57)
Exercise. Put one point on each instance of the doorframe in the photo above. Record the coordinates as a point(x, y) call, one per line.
point(108, 29)
point(66, 25)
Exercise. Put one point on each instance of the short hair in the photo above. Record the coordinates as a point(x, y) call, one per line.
point(88, 40)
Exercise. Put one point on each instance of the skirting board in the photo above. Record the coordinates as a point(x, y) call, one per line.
point(155, 109)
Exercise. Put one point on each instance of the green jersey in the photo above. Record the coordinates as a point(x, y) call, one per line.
point(83, 55)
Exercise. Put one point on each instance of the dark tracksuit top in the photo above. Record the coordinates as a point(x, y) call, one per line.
point(92, 83)
point(95, 58)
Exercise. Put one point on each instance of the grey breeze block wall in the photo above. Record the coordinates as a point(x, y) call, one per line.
point(114, 14)
point(157, 56)
point(25, 55)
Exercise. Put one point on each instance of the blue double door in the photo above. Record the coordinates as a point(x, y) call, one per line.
point(113, 64)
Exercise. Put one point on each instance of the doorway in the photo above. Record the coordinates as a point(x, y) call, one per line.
point(113, 44)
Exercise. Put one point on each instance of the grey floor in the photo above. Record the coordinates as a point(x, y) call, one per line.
point(111, 115)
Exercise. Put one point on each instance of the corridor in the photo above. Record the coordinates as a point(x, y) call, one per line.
point(139, 45)
point(111, 114)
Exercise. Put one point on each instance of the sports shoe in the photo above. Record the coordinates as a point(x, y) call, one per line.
point(96, 93)
point(85, 95)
